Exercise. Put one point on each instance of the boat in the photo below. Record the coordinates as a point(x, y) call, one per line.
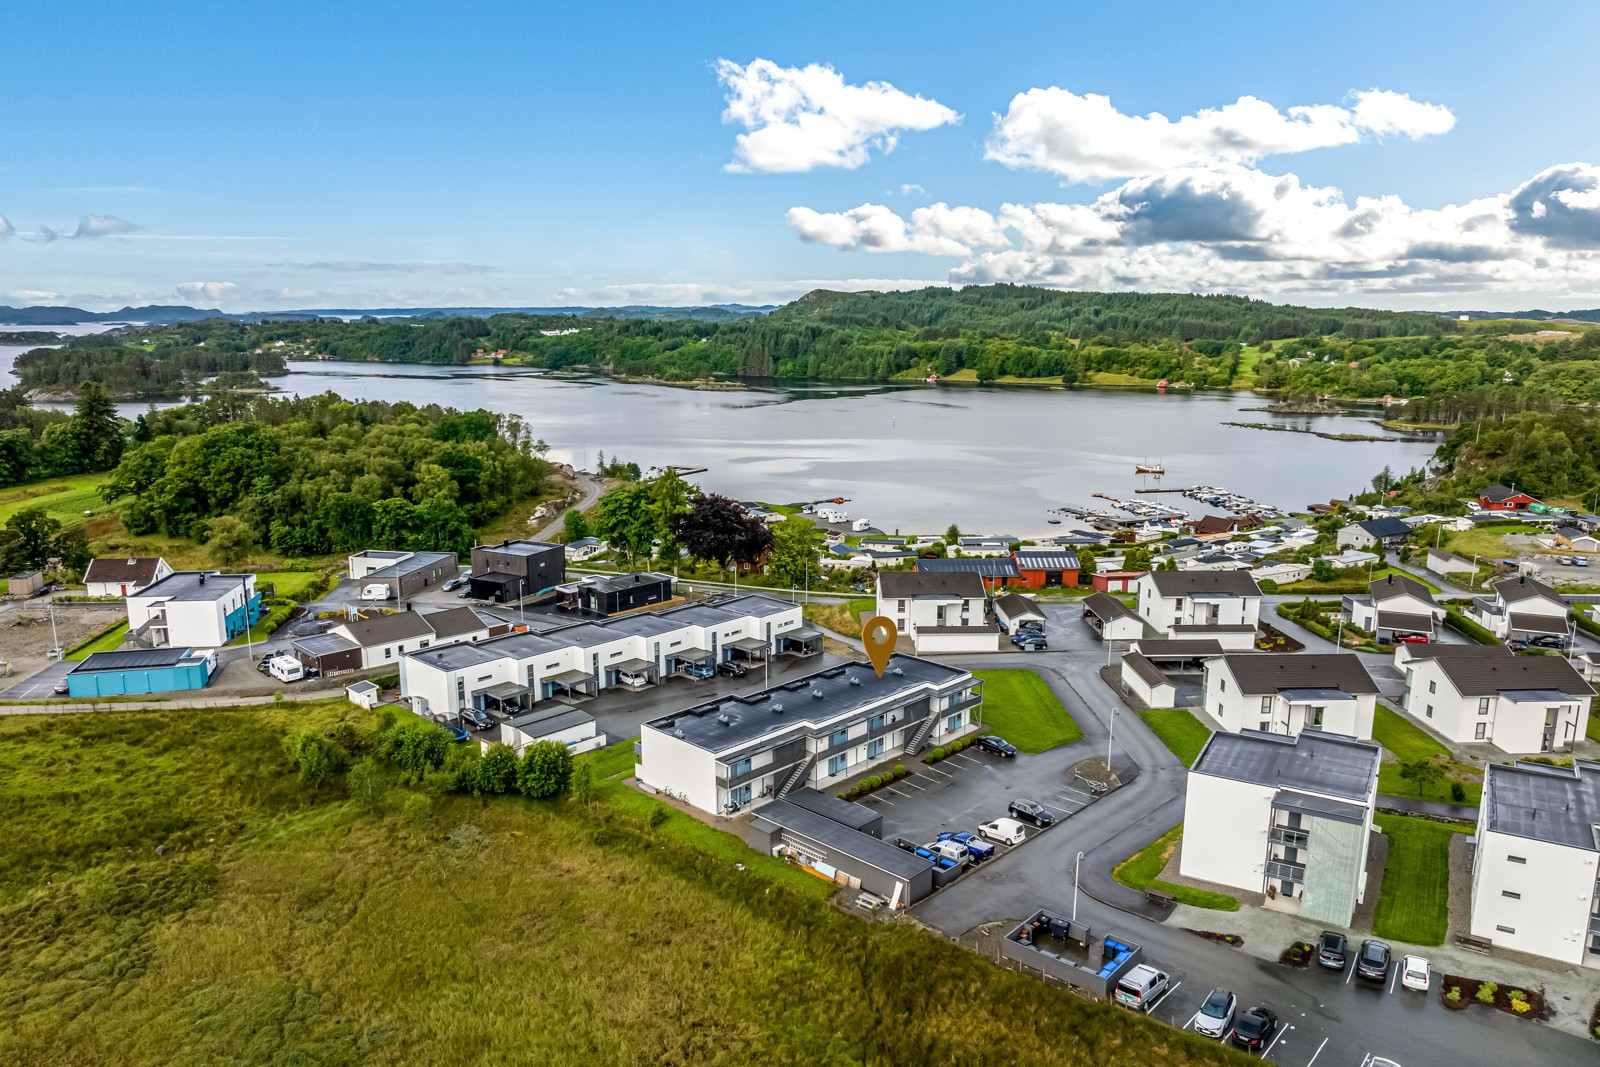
point(1053, 522)
point(1149, 468)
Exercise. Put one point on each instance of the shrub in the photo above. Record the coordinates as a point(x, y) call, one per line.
point(583, 782)
point(1454, 996)
point(310, 755)
point(546, 770)
point(366, 784)
point(658, 815)
point(1458, 792)
point(900, 770)
point(496, 772)
point(1268, 586)
point(416, 746)
point(417, 809)
point(1486, 992)
point(875, 781)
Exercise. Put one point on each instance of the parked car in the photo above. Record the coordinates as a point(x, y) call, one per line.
point(1215, 1017)
point(954, 851)
point(1580, 561)
point(700, 670)
point(1254, 1028)
point(1141, 987)
point(1548, 641)
point(1517, 644)
point(464, 594)
point(1030, 811)
point(1565, 561)
point(1333, 950)
point(977, 847)
point(1372, 962)
point(62, 688)
point(1004, 831)
point(998, 745)
point(478, 717)
point(1414, 973)
point(1031, 642)
point(1412, 639)
point(732, 669)
point(1030, 627)
point(453, 584)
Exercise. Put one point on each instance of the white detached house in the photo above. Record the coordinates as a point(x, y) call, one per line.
point(1395, 605)
point(1520, 608)
point(1474, 693)
point(941, 611)
point(1223, 605)
point(1287, 693)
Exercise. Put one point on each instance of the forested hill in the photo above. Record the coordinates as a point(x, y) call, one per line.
point(1020, 309)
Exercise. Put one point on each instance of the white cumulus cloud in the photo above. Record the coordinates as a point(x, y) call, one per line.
point(212, 291)
point(1084, 138)
point(91, 226)
point(937, 230)
point(801, 118)
point(6, 229)
point(34, 296)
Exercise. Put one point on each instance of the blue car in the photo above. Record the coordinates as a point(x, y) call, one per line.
point(700, 670)
point(977, 847)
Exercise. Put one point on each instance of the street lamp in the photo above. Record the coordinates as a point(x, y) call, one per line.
point(1076, 864)
point(521, 596)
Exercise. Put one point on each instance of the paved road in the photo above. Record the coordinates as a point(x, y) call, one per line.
point(591, 488)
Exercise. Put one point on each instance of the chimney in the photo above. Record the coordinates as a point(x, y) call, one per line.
point(202, 577)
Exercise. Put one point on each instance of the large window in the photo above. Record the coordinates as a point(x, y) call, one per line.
point(1480, 732)
point(838, 764)
point(840, 737)
point(877, 722)
point(740, 795)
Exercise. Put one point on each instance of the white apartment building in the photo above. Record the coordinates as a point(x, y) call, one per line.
point(1475, 693)
point(819, 731)
point(515, 672)
point(1285, 693)
point(1224, 605)
point(1521, 608)
point(941, 611)
point(1286, 814)
point(1534, 868)
point(1394, 606)
point(193, 609)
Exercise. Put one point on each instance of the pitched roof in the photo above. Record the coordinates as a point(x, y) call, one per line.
point(1268, 672)
point(1405, 621)
point(997, 567)
point(1014, 604)
point(387, 628)
point(1107, 607)
point(1514, 590)
point(133, 571)
point(1382, 528)
point(1499, 494)
point(1046, 561)
point(1534, 623)
point(1188, 583)
point(1170, 648)
point(452, 622)
point(1476, 670)
point(1395, 585)
point(1214, 524)
point(899, 585)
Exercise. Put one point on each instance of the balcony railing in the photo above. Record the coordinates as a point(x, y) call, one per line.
point(1284, 835)
point(1295, 872)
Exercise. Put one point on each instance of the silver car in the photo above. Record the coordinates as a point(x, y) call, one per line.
point(1215, 1017)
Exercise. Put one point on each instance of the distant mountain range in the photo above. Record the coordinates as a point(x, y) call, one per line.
point(160, 314)
point(1592, 315)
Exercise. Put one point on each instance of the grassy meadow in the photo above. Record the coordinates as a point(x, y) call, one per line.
point(1019, 706)
point(286, 924)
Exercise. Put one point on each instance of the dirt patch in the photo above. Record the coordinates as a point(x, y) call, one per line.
point(1501, 996)
point(1594, 1022)
point(1273, 639)
point(1298, 954)
point(1221, 939)
point(25, 633)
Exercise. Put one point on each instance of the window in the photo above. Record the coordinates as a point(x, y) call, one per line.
point(953, 722)
point(1222, 685)
point(1506, 929)
point(740, 795)
point(1481, 733)
point(900, 606)
point(837, 764)
point(875, 748)
point(1483, 705)
point(1266, 706)
point(1516, 859)
point(1314, 716)
point(738, 767)
point(1433, 687)
point(1266, 725)
point(388, 653)
point(1430, 711)
point(1509, 893)
point(877, 722)
point(839, 737)
point(1550, 716)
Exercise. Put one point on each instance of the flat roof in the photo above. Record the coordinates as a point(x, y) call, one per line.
point(831, 807)
point(1534, 800)
point(547, 721)
point(616, 583)
point(520, 547)
point(412, 562)
point(853, 843)
point(1308, 762)
point(188, 585)
point(724, 724)
point(323, 644)
point(1321, 807)
point(132, 659)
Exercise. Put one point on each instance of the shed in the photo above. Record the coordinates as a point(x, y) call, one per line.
point(1014, 609)
point(839, 853)
point(1146, 681)
point(26, 583)
point(363, 694)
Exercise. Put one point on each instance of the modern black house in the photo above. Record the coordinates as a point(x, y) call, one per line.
point(610, 594)
point(513, 570)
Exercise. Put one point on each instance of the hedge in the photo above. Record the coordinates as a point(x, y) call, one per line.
point(946, 751)
point(1463, 625)
point(1586, 624)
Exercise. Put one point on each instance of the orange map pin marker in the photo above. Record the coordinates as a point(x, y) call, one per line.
point(879, 635)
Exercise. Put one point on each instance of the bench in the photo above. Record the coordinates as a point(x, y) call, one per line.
point(1160, 898)
point(1476, 944)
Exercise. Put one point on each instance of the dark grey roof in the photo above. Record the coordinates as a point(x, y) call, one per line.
point(1320, 807)
point(1268, 672)
point(1190, 583)
point(996, 567)
point(1532, 623)
point(952, 630)
point(1309, 762)
point(1046, 561)
point(804, 704)
point(616, 583)
point(1556, 804)
point(519, 548)
point(1149, 672)
point(1014, 604)
point(1107, 607)
point(453, 622)
point(1453, 557)
point(831, 807)
point(386, 629)
point(122, 571)
point(1393, 585)
point(1405, 622)
point(1211, 628)
point(132, 659)
point(1164, 648)
point(544, 721)
point(1384, 528)
point(188, 585)
point(1499, 493)
point(863, 847)
point(900, 585)
point(1512, 590)
point(412, 562)
point(323, 644)
point(1477, 670)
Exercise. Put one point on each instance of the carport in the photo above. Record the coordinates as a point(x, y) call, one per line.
point(800, 643)
point(504, 697)
point(635, 674)
point(683, 657)
point(749, 648)
point(1179, 656)
point(575, 685)
point(1393, 623)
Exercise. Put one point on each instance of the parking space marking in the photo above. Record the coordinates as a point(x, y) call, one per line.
point(1276, 1038)
point(910, 785)
point(1156, 1003)
point(1349, 972)
point(937, 774)
point(1192, 1019)
point(1317, 1053)
point(1393, 975)
point(1081, 793)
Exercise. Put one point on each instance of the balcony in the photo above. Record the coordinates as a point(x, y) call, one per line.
point(1284, 835)
point(1293, 872)
point(1594, 924)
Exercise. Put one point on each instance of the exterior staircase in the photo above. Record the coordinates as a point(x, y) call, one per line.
point(920, 738)
point(801, 771)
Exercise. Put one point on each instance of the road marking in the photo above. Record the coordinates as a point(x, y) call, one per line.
point(1393, 975)
point(1081, 793)
point(911, 785)
point(1317, 1053)
point(1165, 993)
point(1349, 972)
point(1192, 1020)
point(964, 758)
point(937, 774)
point(1276, 1038)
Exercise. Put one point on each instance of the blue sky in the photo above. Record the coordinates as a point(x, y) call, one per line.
point(364, 155)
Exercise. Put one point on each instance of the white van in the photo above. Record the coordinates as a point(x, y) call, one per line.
point(286, 668)
point(1004, 831)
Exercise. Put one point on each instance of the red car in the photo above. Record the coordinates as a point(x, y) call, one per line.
point(1413, 639)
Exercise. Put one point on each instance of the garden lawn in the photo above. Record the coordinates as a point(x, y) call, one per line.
point(1414, 905)
point(613, 761)
point(1142, 870)
point(108, 640)
point(1488, 541)
point(1180, 731)
point(1403, 738)
point(63, 499)
point(1409, 744)
point(1351, 580)
point(293, 585)
point(1019, 706)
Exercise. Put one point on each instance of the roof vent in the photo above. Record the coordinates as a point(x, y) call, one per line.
point(816, 694)
point(854, 680)
point(898, 672)
point(777, 709)
point(678, 732)
point(724, 720)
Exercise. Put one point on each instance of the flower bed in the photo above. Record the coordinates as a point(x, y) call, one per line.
point(949, 750)
point(1298, 954)
point(1525, 1004)
point(1273, 639)
point(877, 781)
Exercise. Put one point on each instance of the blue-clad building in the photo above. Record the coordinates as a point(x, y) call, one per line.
point(141, 670)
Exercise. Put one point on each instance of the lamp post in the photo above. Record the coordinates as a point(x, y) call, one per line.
point(521, 596)
point(1076, 864)
point(249, 647)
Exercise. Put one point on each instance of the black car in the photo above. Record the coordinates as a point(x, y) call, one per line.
point(731, 669)
point(1254, 1028)
point(477, 717)
point(1031, 812)
point(1030, 628)
point(1548, 641)
point(998, 745)
point(1333, 950)
point(1372, 962)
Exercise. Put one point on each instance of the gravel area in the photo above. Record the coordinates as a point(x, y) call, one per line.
point(1170, 873)
point(25, 633)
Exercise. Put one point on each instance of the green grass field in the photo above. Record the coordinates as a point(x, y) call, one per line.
point(1179, 730)
point(284, 925)
point(840, 618)
point(1409, 744)
point(1019, 706)
point(1141, 871)
point(64, 499)
point(613, 761)
point(1415, 903)
point(1403, 738)
point(1353, 580)
point(107, 641)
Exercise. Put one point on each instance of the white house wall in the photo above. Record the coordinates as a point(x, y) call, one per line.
point(1554, 884)
point(1225, 831)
